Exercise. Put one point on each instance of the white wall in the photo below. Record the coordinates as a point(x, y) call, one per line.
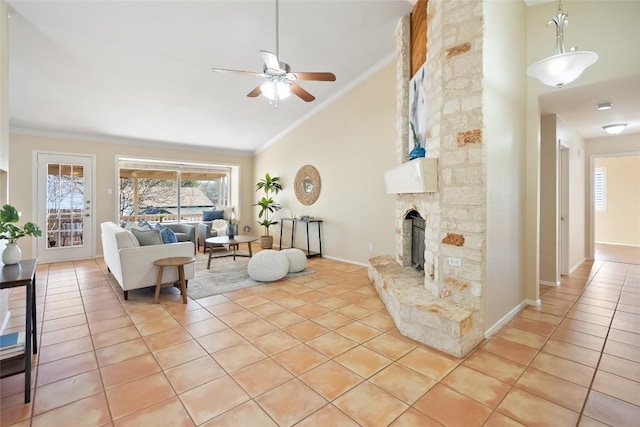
point(4, 91)
point(4, 133)
point(609, 28)
point(504, 101)
point(351, 143)
point(620, 222)
point(576, 215)
point(549, 185)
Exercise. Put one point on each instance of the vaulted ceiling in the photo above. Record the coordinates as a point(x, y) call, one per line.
point(137, 71)
point(140, 71)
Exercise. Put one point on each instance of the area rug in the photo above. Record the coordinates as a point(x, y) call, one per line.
point(225, 275)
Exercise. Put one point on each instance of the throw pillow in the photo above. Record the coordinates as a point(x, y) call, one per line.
point(211, 214)
point(126, 239)
point(144, 225)
point(167, 234)
point(148, 237)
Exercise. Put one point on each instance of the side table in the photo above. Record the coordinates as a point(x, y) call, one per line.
point(12, 276)
point(294, 221)
point(178, 262)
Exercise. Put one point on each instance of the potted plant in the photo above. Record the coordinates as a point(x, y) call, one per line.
point(418, 149)
point(11, 232)
point(232, 226)
point(271, 186)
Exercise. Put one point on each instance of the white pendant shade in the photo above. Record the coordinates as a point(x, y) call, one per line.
point(271, 90)
point(563, 67)
point(558, 70)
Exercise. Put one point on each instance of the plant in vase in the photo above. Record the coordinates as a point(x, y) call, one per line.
point(12, 232)
point(232, 226)
point(271, 186)
point(418, 149)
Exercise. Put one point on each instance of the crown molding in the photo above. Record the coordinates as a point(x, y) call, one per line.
point(128, 141)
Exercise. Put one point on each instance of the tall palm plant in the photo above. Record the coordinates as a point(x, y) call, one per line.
point(270, 186)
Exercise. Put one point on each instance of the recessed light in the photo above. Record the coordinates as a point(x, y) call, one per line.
point(603, 106)
point(614, 129)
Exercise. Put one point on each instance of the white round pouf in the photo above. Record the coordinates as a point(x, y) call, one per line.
point(268, 265)
point(297, 259)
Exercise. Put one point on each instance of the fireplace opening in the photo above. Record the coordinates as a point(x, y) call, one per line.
point(417, 239)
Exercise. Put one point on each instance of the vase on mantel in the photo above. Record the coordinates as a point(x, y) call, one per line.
point(11, 254)
point(418, 151)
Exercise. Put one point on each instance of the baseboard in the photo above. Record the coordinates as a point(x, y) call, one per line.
point(347, 261)
point(631, 245)
point(505, 319)
point(578, 264)
point(544, 282)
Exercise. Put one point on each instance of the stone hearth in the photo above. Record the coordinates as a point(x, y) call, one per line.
point(418, 314)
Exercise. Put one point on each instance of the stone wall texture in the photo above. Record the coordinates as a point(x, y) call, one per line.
point(455, 216)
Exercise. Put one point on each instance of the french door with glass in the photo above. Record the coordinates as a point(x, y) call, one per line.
point(65, 207)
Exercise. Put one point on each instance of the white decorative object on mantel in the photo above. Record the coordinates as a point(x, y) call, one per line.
point(415, 176)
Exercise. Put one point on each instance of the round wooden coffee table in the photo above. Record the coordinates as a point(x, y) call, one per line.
point(233, 245)
point(178, 261)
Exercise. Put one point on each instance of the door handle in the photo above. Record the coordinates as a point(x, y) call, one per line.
point(87, 214)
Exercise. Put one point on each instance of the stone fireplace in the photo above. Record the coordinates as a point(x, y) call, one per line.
point(440, 305)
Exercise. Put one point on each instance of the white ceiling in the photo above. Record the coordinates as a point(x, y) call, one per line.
point(139, 71)
point(577, 106)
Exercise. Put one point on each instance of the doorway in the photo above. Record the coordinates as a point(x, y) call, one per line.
point(615, 207)
point(65, 206)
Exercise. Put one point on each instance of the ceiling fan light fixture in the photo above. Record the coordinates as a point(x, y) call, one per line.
point(275, 89)
point(562, 67)
point(614, 129)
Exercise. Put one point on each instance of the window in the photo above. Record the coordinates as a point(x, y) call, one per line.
point(155, 190)
point(600, 189)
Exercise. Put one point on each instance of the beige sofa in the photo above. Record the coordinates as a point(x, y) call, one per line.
point(132, 264)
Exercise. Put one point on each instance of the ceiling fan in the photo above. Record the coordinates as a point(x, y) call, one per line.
point(281, 82)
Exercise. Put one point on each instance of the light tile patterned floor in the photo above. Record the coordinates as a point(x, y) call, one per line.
point(320, 350)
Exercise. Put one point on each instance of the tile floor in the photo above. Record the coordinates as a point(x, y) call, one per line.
point(320, 350)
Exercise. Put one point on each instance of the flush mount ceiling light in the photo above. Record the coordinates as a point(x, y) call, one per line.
point(604, 106)
point(563, 67)
point(614, 129)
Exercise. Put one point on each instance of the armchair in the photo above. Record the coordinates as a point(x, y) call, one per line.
point(217, 227)
point(184, 232)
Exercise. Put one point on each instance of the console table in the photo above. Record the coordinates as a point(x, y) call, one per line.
point(306, 222)
point(13, 276)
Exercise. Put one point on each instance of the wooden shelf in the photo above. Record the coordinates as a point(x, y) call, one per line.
point(13, 276)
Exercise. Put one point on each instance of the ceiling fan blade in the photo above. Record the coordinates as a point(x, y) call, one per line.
point(323, 77)
point(270, 60)
point(254, 92)
point(301, 93)
point(224, 70)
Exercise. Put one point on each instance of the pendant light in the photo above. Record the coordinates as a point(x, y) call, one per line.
point(563, 67)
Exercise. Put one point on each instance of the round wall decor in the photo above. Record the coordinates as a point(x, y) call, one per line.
point(307, 185)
